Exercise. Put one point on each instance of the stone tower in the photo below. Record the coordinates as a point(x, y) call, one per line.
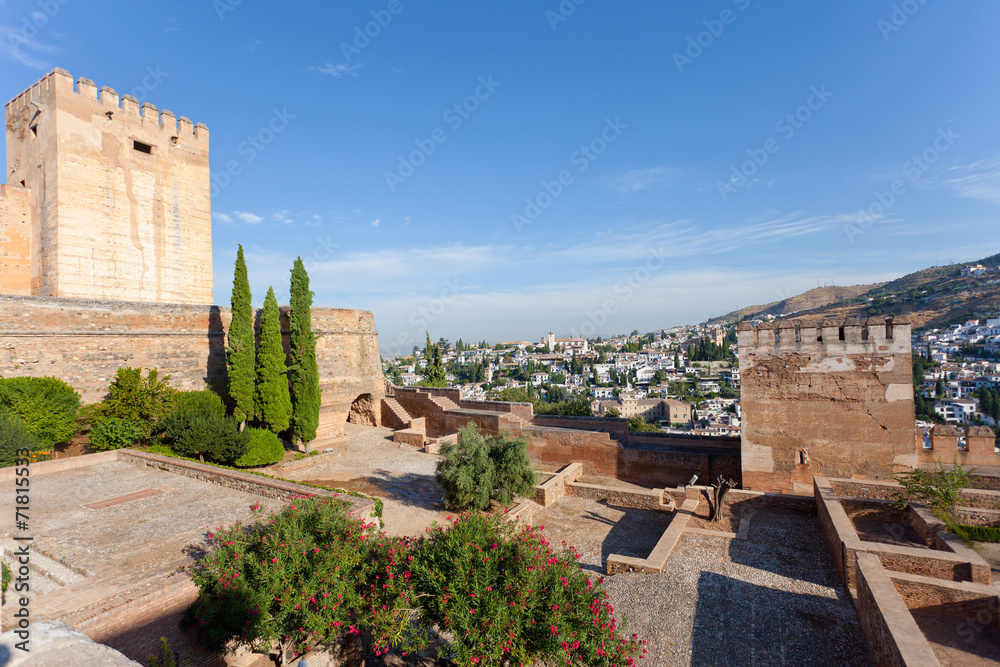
point(832, 399)
point(104, 200)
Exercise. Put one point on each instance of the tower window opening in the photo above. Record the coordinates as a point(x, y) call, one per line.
point(843, 335)
point(142, 147)
point(888, 330)
point(864, 332)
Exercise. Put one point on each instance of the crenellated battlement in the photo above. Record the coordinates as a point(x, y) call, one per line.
point(853, 335)
point(109, 102)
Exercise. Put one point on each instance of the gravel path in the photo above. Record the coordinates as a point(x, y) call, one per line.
point(775, 599)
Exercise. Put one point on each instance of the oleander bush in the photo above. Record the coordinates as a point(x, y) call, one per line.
point(114, 433)
point(508, 597)
point(309, 576)
point(263, 449)
point(314, 576)
point(15, 436)
point(47, 406)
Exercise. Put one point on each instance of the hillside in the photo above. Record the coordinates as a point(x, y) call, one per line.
point(929, 298)
point(814, 298)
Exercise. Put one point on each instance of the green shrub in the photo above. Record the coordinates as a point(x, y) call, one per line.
point(513, 476)
point(263, 449)
point(5, 580)
point(977, 533)
point(202, 402)
point(209, 437)
point(141, 400)
point(165, 656)
point(14, 435)
point(508, 597)
point(940, 489)
point(466, 473)
point(480, 468)
point(46, 405)
point(114, 433)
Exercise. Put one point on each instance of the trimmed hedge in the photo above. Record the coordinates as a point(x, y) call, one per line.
point(263, 449)
point(47, 406)
point(202, 402)
point(978, 533)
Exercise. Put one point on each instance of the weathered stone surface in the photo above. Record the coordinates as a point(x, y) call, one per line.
point(84, 342)
point(120, 203)
point(15, 240)
point(825, 399)
point(55, 644)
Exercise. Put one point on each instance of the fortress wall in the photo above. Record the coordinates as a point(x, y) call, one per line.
point(832, 399)
point(15, 240)
point(84, 342)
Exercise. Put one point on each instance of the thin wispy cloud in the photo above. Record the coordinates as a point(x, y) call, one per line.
point(337, 71)
point(282, 216)
point(638, 180)
point(247, 217)
point(976, 180)
point(15, 46)
point(222, 217)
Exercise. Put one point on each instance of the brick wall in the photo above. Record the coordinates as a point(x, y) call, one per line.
point(893, 636)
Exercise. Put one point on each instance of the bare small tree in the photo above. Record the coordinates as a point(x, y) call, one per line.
point(717, 496)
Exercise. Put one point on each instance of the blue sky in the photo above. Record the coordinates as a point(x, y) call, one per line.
point(609, 166)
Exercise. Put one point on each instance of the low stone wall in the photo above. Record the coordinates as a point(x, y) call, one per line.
point(981, 498)
point(950, 560)
point(652, 499)
point(554, 488)
point(893, 636)
point(961, 598)
point(657, 559)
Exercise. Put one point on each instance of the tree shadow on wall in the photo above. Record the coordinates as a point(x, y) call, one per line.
point(216, 369)
point(739, 623)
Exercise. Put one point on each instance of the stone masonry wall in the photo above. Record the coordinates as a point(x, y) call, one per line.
point(84, 342)
point(120, 203)
point(825, 399)
point(15, 240)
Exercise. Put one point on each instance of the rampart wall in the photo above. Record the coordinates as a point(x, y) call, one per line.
point(603, 445)
point(833, 399)
point(84, 343)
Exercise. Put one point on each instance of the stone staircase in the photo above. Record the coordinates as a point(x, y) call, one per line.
point(398, 411)
point(444, 403)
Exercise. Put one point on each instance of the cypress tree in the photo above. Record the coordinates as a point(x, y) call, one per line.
point(305, 371)
point(274, 405)
point(240, 345)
